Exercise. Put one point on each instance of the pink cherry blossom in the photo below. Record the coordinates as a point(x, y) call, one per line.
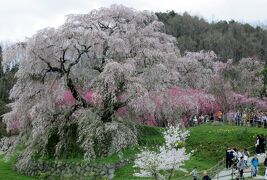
point(68, 98)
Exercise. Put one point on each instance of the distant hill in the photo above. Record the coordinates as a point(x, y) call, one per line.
point(228, 39)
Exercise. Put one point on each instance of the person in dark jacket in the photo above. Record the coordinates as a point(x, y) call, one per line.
point(258, 144)
point(206, 176)
point(262, 143)
point(229, 157)
point(261, 139)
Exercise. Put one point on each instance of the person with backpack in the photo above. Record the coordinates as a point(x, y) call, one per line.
point(241, 166)
point(194, 173)
point(254, 166)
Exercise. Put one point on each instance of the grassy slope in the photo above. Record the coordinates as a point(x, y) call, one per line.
point(208, 141)
point(7, 173)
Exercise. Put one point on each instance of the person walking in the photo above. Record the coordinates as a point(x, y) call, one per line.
point(201, 119)
point(239, 155)
point(235, 158)
point(246, 156)
point(229, 157)
point(211, 117)
point(195, 121)
point(254, 166)
point(219, 115)
point(263, 143)
point(241, 166)
point(194, 173)
point(237, 118)
point(265, 120)
point(257, 145)
point(206, 176)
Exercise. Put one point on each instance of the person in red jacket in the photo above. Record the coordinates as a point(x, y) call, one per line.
point(219, 115)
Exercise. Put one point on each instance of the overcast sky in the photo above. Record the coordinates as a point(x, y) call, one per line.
point(22, 18)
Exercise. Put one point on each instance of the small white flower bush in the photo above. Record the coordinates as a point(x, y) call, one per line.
point(174, 137)
point(169, 158)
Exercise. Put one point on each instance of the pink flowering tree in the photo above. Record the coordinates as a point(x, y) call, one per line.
point(238, 101)
point(173, 105)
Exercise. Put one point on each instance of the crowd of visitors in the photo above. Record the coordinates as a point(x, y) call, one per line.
point(258, 119)
point(204, 118)
point(239, 159)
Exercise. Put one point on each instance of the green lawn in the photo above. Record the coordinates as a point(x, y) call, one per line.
point(208, 141)
point(6, 172)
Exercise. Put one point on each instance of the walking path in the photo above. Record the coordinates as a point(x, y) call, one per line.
point(247, 172)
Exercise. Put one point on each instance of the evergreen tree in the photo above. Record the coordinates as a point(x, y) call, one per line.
point(229, 40)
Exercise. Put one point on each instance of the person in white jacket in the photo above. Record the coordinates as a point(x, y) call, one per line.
point(257, 145)
point(246, 155)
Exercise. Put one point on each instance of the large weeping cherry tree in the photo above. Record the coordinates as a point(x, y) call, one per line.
point(117, 53)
